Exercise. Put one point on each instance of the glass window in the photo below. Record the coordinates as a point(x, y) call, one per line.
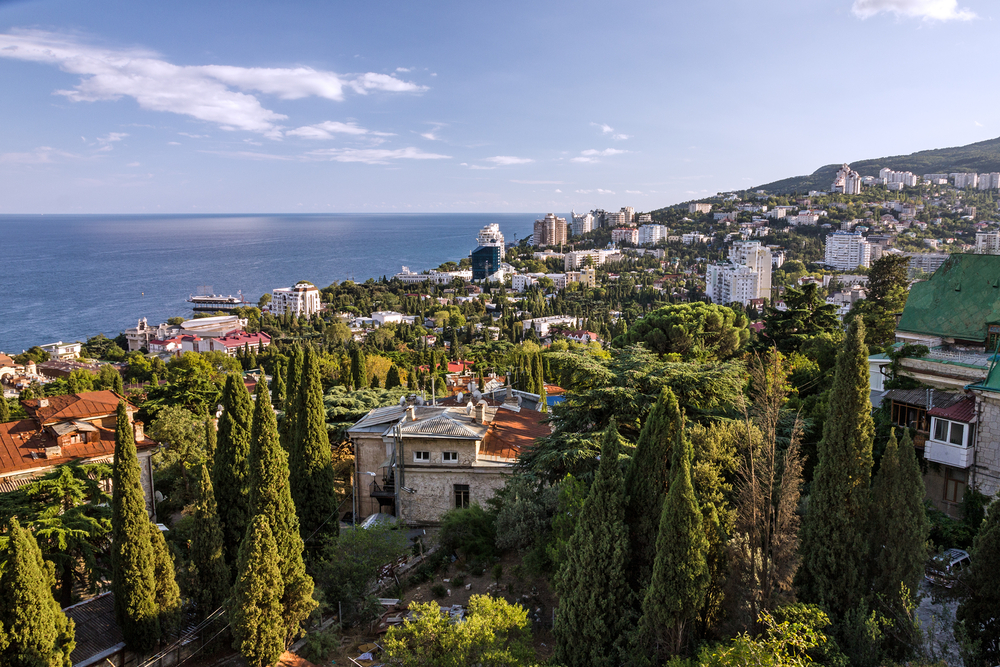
point(955, 481)
point(422, 456)
point(957, 433)
point(461, 496)
point(941, 429)
point(450, 457)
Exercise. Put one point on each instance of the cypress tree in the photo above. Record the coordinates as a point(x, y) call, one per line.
point(133, 577)
point(646, 486)
point(899, 526)
point(230, 468)
point(255, 610)
point(977, 614)
point(208, 574)
point(289, 423)
point(680, 572)
point(834, 531)
point(154, 381)
point(392, 379)
point(34, 632)
point(592, 618)
point(118, 384)
point(211, 441)
point(168, 594)
point(4, 410)
point(278, 385)
point(310, 462)
point(359, 371)
point(271, 497)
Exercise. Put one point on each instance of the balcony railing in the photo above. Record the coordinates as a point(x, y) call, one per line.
point(980, 359)
point(955, 456)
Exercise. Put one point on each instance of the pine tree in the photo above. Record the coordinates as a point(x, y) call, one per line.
point(310, 462)
point(34, 632)
point(168, 594)
point(271, 497)
point(211, 442)
point(899, 526)
point(230, 468)
point(255, 611)
point(834, 531)
point(208, 574)
point(592, 618)
point(133, 578)
point(392, 379)
point(680, 572)
point(646, 486)
point(289, 423)
point(977, 614)
point(4, 410)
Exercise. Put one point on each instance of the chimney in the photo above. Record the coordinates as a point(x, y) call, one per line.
point(53, 452)
point(481, 412)
point(411, 414)
point(43, 402)
point(139, 436)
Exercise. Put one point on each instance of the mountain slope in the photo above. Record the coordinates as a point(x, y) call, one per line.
point(983, 156)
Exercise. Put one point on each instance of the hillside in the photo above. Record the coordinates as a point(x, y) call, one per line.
point(983, 156)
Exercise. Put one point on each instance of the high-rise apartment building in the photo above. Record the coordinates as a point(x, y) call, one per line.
point(990, 181)
point(628, 235)
point(652, 234)
point(901, 178)
point(847, 250)
point(847, 181)
point(746, 276)
point(581, 224)
point(699, 208)
point(303, 299)
point(550, 231)
point(963, 180)
point(629, 214)
point(988, 243)
point(489, 253)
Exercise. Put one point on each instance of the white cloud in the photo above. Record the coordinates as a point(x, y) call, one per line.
point(558, 190)
point(633, 192)
point(432, 133)
point(41, 155)
point(327, 129)
point(607, 129)
point(374, 155)
point(598, 191)
point(193, 136)
point(402, 69)
point(205, 92)
point(111, 137)
point(133, 164)
point(505, 160)
point(173, 143)
point(606, 152)
point(939, 10)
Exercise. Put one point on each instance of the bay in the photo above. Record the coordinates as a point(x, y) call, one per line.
point(69, 277)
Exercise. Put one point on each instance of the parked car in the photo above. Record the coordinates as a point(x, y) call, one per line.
point(945, 568)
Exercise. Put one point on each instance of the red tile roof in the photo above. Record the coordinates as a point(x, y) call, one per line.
point(23, 443)
point(512, 432)
point(240, 338)
point(963, 411)
point(85, 405)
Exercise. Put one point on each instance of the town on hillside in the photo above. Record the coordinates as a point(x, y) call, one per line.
point(752, 424)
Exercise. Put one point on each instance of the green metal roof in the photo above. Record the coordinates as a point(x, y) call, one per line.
point(959, 300)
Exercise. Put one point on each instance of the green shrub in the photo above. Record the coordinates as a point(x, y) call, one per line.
point(470, 532)
point(438, 590)
point(320, 645)
point(458, 581)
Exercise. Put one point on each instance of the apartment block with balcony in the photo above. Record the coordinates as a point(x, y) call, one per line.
point(303, 299)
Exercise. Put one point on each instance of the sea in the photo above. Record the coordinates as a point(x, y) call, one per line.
point(70, 277)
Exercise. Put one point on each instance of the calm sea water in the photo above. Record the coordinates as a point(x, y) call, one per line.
point(69, 277)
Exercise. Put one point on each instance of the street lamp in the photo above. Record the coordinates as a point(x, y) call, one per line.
point(354, 501)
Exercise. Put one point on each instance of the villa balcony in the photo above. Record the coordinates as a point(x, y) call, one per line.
point(955, 456)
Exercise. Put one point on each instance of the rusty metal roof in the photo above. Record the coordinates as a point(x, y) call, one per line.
point(962, 411)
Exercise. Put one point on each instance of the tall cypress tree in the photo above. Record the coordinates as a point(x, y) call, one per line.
point(977, 614)
point(392, 379)
point(290, 421)
point(646, 486)
point(271, 497)
point(133, 564)
point(310, 462)
point(230, 469)
point(359, 370)
point(168, 594)
point(593, 615)
point(278, 385)
point(255, 609)
point(33, 629)
point(4, 410)
point(211, 441)
point(834, 531)
point(899, 527)
point(680, 572)
point(208, 574)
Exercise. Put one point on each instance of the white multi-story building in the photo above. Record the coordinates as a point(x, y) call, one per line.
point(578, 258)
point(645, 218)
point(303, 299)
point(586, 277)
point(490, 236)
point(847, 250)
point(902, 178)
point(963, 180)
point(746, 276)
point(615, 219)
point(581, 224)
point(803, 218)
point(652, 234)
point(625, 235)
point(440, 277)
point(990, 181)
point(550, 230)
point(699, 208)
point(847, 181)
point(629, 214)
point(693, 238)
point(779, 212)
point(988, 243)
point(541, 325)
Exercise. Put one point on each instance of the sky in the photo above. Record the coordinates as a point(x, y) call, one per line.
point(334, 106)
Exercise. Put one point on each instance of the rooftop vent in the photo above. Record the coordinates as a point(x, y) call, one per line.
point(53, 452)
point(43, 402)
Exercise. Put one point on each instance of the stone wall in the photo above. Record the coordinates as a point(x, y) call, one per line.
point(435, 490)
point(986, 470)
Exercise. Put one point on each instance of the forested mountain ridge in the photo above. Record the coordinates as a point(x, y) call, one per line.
point(982, 156)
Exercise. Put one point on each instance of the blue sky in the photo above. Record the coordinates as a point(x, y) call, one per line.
point(219, 107)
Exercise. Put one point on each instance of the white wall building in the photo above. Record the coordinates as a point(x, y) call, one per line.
point(578, 258)
point(847, 250)
point(581, 224)
point(847, 181)
point(652, 234)
point(988, 243)
point(963, 180)
point(303, 299)
point(628, 235)
point(541, 325)
point(693, 237)
point(990, 181)
point(439, 277)
point(490, 236)
point(746, 276)
point(900, 178)
point(699, 208)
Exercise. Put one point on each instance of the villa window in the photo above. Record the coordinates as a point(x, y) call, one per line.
point(954, 485)
point(450, 457)
point(461, 496)
point(953, 433)
point(422, 457)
